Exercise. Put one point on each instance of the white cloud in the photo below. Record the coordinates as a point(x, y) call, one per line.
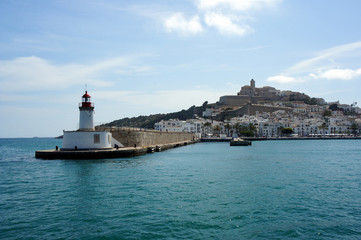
point(34, 73)
point(219, 14)
point(224, 24)
point(312, 75)
point(325, 65)
point(283, 79)
point(237, 5)
point(324, 60)
point(178, 23)
point(341, 74)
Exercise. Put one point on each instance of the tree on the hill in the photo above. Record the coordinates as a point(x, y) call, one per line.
point(354, 128)
point(334, 107)
point(228, 127)
point(327, 113)
point(217, 129)
point(324, 126)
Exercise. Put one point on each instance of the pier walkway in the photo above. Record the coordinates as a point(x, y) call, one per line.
point(106, 153)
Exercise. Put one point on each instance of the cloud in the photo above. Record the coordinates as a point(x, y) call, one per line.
point(283, 79)
point(324, 60)
point(224, 24)
point(340, 74)
point(236, 5)
point(178, 23)
point(219, 14)
point(325, 65)
point(34, 73)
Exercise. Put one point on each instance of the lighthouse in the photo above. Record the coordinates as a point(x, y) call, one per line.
point(86, 137)
point(86, 109)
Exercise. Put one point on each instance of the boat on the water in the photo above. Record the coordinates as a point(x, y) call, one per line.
point(240, 142)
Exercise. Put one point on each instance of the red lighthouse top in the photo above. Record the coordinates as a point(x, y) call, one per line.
point(86, 101)
point(86, 95)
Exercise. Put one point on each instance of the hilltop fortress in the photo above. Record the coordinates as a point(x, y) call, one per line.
point(251, 94)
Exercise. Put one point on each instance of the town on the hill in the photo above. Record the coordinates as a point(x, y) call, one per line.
point(269, 112)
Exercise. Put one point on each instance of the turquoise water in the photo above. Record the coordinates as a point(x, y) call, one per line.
point(271, 190)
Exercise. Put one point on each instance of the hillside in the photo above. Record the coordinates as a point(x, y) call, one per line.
point(149, 121)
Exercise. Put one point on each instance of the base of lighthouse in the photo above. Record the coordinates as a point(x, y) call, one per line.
point(88, 140)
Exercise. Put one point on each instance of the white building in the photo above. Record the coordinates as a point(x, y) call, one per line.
point(337, 113)
point(172, 125)
point(346, 107)
point(175, 125)
point(208, 112)
point(268, 129)
point(304, 129)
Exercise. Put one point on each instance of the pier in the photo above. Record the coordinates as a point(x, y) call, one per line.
point(106, 153)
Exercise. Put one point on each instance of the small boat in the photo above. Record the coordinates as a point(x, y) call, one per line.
point(240, 142)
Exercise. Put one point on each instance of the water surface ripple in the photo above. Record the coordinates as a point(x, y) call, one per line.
point(271, 190)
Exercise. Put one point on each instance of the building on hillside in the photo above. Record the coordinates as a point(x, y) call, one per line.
point(175, 125)
point(211, 112)
point(337, 113)
point(264, 92)
point(268, 129)
point(252, 94)
point(357, 110)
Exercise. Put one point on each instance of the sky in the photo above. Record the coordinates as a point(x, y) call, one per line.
point(147, 57)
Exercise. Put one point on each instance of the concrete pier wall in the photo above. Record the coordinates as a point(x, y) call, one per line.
point(131, 137)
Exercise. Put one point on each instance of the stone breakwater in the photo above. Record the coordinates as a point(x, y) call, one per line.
point(136, 141)
point(107, 153)
point(139, 137)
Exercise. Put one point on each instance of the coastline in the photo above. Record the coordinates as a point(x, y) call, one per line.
point(228, 139)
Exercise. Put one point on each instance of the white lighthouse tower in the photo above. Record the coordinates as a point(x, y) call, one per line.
point(86, 137)
point(86, 108)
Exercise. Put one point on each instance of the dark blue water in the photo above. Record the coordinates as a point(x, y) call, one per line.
point(271, 190)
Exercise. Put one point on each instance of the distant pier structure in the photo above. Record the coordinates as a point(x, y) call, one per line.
point(89, 142)
point(85, 142)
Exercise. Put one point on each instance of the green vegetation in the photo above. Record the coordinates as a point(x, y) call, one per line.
point(354, 128)
point(246, 131)
point(217, 129)
point(327, 113)
point(149, 121)
point(312, 101)
point(334, 107)
point(323, 127)
point(207, 124)
point(287, 131)
point(300, 97)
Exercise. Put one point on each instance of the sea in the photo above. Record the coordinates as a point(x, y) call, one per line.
point(300, 189)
